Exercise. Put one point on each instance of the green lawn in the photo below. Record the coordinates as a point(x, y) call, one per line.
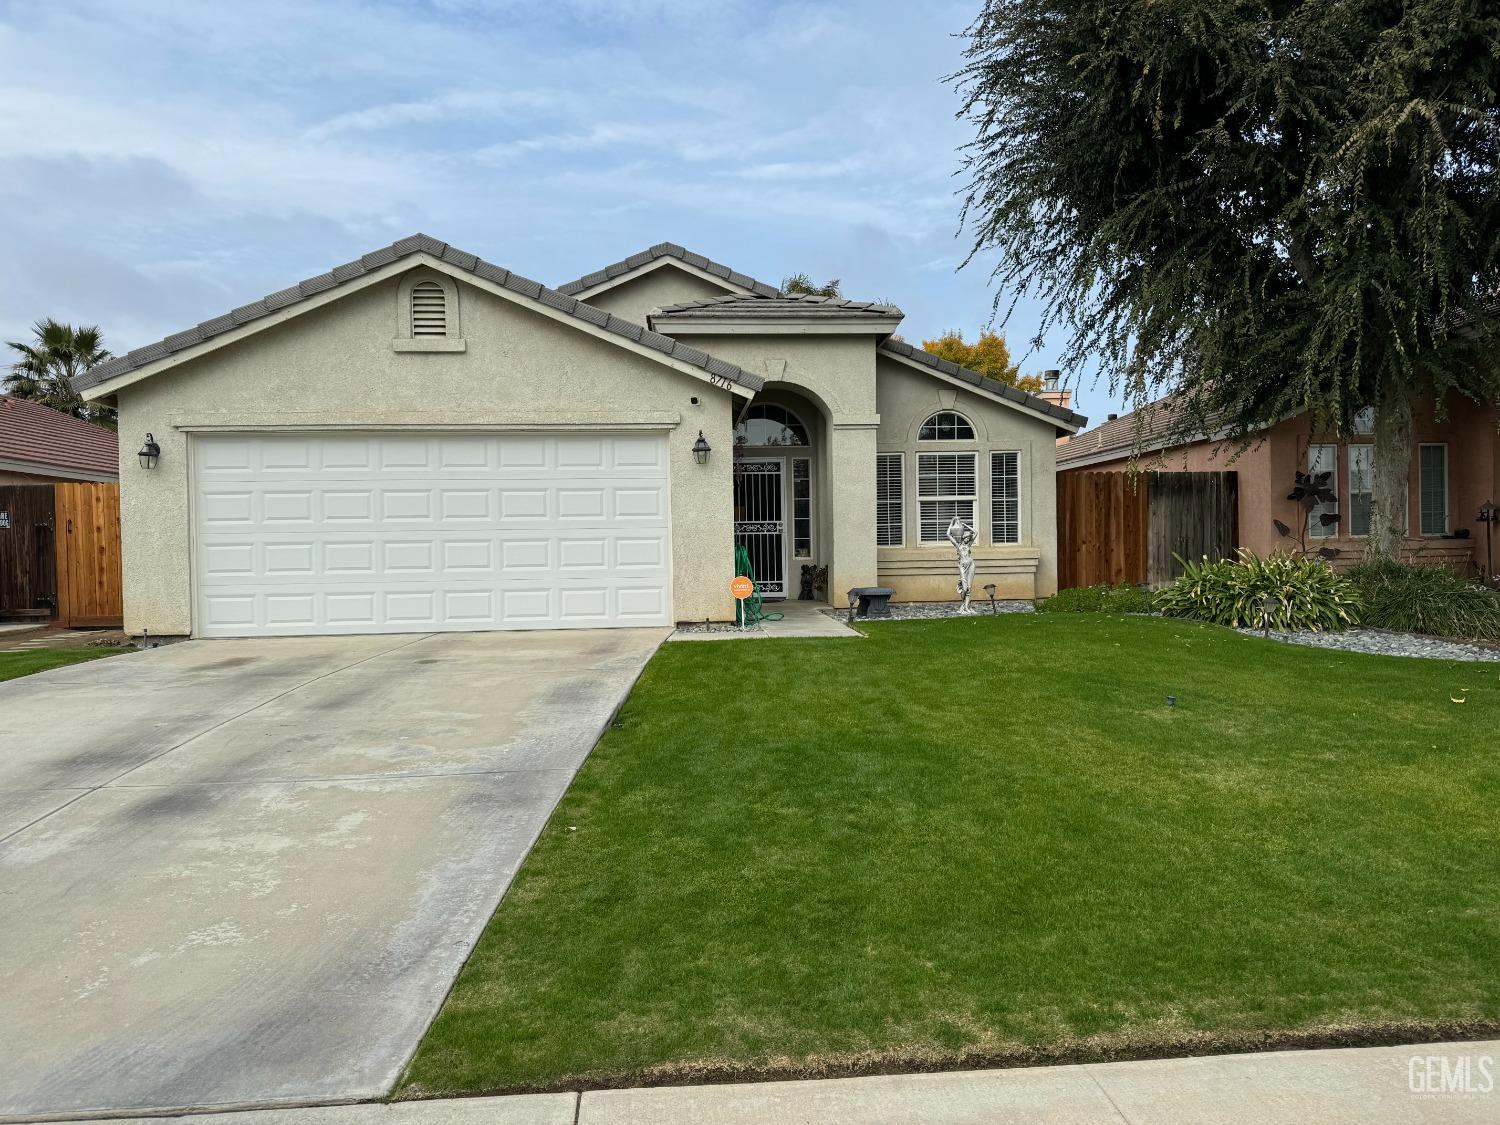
point(16, 664)
point(989, 840)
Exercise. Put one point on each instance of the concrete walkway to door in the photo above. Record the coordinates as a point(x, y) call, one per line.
point(246, 872)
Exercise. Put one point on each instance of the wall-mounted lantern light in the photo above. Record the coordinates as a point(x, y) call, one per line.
point(701, 449)
point(150, 453)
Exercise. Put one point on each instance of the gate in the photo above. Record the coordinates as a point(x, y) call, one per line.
point(28, 566)
point(1123, 527)
point(760, 521)
point(89, 585)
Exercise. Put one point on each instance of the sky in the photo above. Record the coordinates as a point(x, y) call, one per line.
point(161, 163)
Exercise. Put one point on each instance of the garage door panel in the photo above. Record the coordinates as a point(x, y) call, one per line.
point(376, 533)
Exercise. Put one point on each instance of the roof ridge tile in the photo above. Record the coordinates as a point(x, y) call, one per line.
point(667, 250)
point(389, 255)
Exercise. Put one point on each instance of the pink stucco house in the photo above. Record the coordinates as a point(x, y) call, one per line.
point(1455, 469)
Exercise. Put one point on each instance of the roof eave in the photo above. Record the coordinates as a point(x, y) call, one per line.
point(653, 257)
point(1060, 418)
point(556, 306)
point(774, 326)
point(67, 472)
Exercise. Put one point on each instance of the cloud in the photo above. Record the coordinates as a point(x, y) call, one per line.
point(159, 164)
point(454, 104)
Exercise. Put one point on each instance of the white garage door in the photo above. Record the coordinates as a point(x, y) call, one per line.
point(388, 533)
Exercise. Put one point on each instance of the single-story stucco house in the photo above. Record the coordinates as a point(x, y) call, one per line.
point(1454, 472)
point(420, 440)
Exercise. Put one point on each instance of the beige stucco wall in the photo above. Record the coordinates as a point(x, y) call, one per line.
point(664, 285)
point(335, 368)
point(926, 572)
point(837, 374)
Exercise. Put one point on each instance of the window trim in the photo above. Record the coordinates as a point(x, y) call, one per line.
point(899, 501)
point(1447, 492)
point(972, 499)
point(995, 498)
point(960, 415)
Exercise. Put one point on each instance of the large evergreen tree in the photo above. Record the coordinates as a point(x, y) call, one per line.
point(1271, 207)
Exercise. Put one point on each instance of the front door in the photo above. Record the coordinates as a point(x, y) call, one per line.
point(760, 520)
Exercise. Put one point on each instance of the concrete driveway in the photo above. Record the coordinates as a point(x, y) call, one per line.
point(246, 872)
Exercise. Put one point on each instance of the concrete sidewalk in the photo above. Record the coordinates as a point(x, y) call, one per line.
point(1426, 1083)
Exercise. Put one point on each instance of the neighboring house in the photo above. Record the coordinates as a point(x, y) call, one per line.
point(39, 445)
point(420, 440)
point(1455, 469)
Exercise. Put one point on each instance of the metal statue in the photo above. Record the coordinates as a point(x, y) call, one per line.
point(961, 535)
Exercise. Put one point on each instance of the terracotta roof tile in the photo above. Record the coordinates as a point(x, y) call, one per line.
point(33, 433)
point(1157, 425)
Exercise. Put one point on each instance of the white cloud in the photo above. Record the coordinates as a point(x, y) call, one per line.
point(161, 161)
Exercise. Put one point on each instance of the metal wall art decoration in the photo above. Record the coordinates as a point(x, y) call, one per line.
point(961, 535)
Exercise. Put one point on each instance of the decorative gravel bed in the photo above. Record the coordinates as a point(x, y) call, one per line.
point(1384, 643)
point(712, 627)
point(928, 611)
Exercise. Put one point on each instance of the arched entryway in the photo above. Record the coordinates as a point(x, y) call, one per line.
point(780, 492)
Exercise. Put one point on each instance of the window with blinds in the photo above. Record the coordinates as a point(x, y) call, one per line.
point(889, 510)
point(1361, 488)
point(1433, 488)
point(946, 487)
point(429, 309)
point(1005, 497)
point(1323, 459)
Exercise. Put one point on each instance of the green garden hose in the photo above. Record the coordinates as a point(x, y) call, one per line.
point(749, 611)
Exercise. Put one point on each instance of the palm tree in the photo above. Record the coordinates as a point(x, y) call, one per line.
point(46, 369)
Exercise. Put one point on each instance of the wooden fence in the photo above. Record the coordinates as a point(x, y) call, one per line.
point(1122, 527)
point(60, 554)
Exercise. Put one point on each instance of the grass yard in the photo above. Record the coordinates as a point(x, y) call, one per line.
point(13, 665)
point(986, 841)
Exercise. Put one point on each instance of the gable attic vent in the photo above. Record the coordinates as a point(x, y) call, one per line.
point(429, 309)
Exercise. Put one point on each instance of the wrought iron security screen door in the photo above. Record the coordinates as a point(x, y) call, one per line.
point(760, 520)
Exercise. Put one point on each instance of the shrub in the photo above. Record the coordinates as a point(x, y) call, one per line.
point(1426, 599)
point(1303, 593)
point(1098, 599)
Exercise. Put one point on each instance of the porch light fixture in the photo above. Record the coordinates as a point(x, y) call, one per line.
point(701, 449)
point(150, 453)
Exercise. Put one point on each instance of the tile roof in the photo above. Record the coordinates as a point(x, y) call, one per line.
point(1157, 425)
point(385, 256)
point(993, 387)
point(790, 306)
point(49, 438)
point(668, 250)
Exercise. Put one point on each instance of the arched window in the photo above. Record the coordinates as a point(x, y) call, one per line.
point(429, 309)
point(946, 425)
point(765, 423)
